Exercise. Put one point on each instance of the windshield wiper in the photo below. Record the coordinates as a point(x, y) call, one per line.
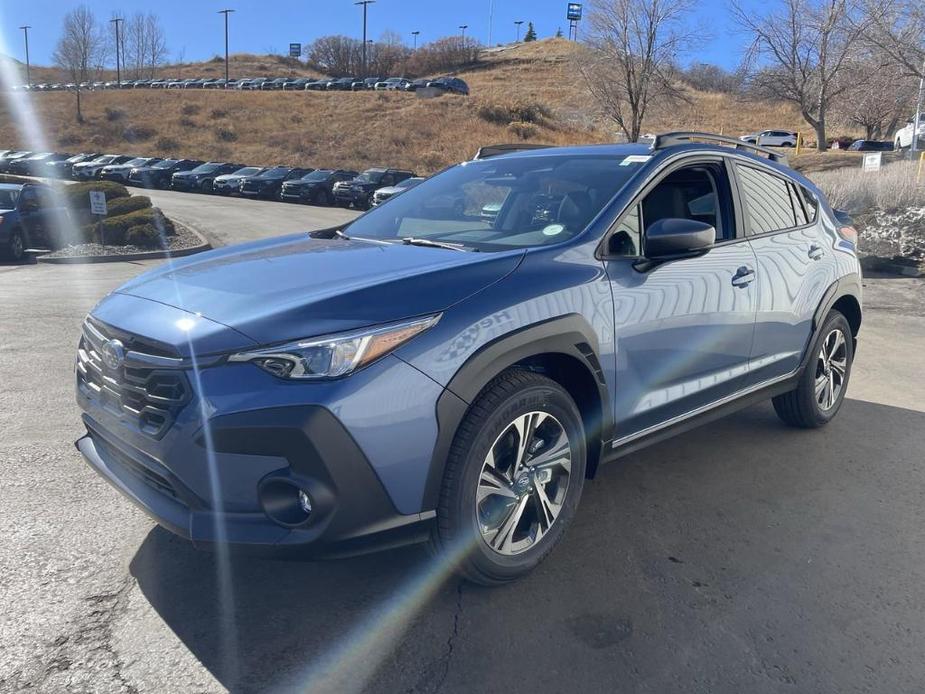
point(340, 234)
point(414, 241)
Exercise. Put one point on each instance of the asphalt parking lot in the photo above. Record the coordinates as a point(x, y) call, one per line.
point(741, 557)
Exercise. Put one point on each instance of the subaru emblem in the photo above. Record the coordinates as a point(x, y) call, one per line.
point(113, 353)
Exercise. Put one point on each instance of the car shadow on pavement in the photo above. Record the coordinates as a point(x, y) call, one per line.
point(742, 556)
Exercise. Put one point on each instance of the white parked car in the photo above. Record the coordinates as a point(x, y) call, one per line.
point(392, 83)
point(903, 137)
point(774, 138)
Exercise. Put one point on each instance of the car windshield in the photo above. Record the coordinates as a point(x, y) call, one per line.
point(539, 200)
point(247, 171)
point(319, 175)
point(137, 162)
point(276, 172)
point(76, 158)
point(207, 168)
point(166, 164)
point(370, 177)
point(8, 199)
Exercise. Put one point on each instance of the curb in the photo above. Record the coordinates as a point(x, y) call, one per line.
point(127, 257)
point(892, 267)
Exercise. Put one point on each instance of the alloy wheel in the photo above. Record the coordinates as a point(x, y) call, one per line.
point(17, 249)
point(831, 369)
point(523, 483)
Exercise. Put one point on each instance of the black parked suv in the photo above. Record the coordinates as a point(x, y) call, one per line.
point(201, 178)
point(159, 175)
point(64, 167)
point(453, 85)
point(359, 191)
point(268, 183)
point(316, 188)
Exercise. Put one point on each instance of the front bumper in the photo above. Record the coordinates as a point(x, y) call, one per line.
point(359, 198)
point(305, 447)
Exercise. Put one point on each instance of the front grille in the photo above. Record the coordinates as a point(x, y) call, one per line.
point(138, 470)
point(146, 388)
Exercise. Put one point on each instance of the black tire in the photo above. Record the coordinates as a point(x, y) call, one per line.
point(458, 534)
point(16, 247)
point(801, 407)
point(206, 187)
point(322, 198)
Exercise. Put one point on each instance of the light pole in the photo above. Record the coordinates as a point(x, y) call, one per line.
point(116, 21)
point(226, 13)
point(365, 4)
point(518, 23)
point(415, 34)
point(463, 28)
point(25, 31)
point(914, 145)
point(491, 15)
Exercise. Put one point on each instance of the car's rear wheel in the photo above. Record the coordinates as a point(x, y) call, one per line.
point(513, 478)
point(205, 187)
point(321, 198)
point(822, 386)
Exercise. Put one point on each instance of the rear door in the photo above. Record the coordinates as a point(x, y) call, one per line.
point(796, 264)
point(684, 328)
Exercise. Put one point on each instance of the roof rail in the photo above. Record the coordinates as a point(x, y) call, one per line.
point(495, 150)
point(663, 140)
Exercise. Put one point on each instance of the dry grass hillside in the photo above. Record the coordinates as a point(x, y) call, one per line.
point(527, 92)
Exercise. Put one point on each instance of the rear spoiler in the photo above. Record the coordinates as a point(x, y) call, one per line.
point(497, 150)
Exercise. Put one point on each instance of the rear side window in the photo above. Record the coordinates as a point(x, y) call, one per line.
point(812, 204)
point(768, 203)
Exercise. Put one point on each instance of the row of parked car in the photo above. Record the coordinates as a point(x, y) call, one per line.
point(306, 185)
point(447, 84)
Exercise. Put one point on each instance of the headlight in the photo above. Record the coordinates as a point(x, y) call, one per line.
point(332, 356)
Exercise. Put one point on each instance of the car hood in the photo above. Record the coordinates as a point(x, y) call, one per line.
point(296, 286)
point(3, 212)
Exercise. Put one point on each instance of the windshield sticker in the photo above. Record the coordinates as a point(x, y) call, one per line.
point(553, 229)
point(635, 159)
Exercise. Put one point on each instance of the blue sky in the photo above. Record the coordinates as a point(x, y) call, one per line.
point(194, 29)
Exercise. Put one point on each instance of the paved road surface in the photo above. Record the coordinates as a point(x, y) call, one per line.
point(233, 220)
point(742, 557)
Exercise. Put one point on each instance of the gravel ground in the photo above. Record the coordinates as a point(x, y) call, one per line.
point(183, 239)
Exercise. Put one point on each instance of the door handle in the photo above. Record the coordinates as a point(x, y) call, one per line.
point(744, 276)
point(815, 252)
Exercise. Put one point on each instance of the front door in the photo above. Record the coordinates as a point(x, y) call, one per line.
point(684, 328)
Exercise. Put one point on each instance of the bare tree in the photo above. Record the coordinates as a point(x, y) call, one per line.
point(878, 96)
point(628, 64)
point(802, 51)
point(82, 48)
point(145, 45)
point(897, 29)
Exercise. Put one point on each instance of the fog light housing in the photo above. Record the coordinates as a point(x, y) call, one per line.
point(305, 502)
point(285, 502)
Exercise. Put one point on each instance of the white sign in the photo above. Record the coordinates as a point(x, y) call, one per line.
point(98, 202)
point(872, 161)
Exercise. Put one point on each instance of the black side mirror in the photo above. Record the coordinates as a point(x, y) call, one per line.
point(673, 238)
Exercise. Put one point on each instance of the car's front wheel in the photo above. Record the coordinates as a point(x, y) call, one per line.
point(822, 386)
point(16, 248)
point(513, 478)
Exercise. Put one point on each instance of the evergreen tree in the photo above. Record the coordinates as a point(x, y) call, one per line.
point(559, 33)
point(531, 32)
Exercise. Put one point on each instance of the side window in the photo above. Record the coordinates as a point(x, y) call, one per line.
point(627, 239)
point(797, 205)
point(768, 206)
point(388, 180)
point(812, 204)
point(28, 200)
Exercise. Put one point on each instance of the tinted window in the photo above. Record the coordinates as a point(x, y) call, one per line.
point(208, 167)
point(247, 171)
point(277, 172)
point(812, 204)
point(768, 206)
point(8, 199)
point(699, 193)
point(797, 206)
point(319, 175)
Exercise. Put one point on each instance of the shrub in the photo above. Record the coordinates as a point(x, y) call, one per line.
point(522, 130)
point(137, 133)
point(146, 236)
point(114, 114)
point(77, 196)
point(190, 109)
point(225, 135)
point(166, 144)
point(188, 123)
point(218, 113)
point(132, 203)
point(115, 229)
point(522, 111)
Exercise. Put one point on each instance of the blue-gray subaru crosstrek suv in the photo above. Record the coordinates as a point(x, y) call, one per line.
point(430, 372)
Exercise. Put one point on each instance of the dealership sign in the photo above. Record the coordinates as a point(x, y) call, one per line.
point(573, 13)
point(295, 50)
